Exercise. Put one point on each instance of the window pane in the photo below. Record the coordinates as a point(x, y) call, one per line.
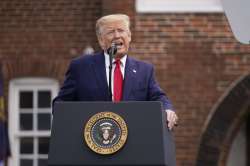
point(26, 121)
point(26, 145)
point(44, 121)
point(44, 99)
point(42, 162)
point(43, 145)
point(26, 99)
point(26, 162)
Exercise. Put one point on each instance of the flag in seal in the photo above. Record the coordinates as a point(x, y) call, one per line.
point(105, 133)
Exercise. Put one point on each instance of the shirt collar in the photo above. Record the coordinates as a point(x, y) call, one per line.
point(123, 60)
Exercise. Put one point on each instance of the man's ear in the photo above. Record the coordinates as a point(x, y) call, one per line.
point(129, 34)
point(101, 43)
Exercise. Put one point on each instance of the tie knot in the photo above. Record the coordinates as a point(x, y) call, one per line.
point(117, 62)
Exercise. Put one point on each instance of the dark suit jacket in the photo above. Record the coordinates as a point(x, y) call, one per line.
point(86, 81)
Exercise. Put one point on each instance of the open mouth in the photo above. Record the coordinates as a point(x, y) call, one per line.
point(119, 44)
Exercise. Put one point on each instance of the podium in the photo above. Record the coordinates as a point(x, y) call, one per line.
point(149, 142)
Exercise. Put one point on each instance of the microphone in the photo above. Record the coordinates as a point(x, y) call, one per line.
point(112, 50)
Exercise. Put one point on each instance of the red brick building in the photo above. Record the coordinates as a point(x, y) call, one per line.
point(198, 62)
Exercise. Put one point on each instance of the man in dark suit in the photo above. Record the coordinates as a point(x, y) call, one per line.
point(87, 78)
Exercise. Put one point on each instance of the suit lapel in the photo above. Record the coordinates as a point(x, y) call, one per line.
point(129, 79)
point(100, 73)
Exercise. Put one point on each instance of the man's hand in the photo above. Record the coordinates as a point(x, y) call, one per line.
point(172, 119)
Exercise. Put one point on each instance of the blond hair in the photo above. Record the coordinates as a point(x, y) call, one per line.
point(111, 18)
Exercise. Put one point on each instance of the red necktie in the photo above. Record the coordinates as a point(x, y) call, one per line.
point(118, 80)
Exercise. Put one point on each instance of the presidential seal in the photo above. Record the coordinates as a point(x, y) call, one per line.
point(105, 133)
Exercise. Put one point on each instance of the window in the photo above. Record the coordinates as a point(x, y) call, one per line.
point(30, 120)
point(175, 6)
point(238, 150)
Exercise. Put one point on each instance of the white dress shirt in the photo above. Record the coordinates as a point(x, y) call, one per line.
point(122, 67)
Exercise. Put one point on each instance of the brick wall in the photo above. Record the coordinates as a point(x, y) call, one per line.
point(34, 33)
point(196, 59)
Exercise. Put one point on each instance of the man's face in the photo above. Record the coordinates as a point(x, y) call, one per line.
point(118, 33)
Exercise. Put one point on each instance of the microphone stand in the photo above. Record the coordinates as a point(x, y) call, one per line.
point(111, 51)
point(110, 72)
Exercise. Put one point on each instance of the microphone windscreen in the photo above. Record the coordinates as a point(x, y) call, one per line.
point(112, 50)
